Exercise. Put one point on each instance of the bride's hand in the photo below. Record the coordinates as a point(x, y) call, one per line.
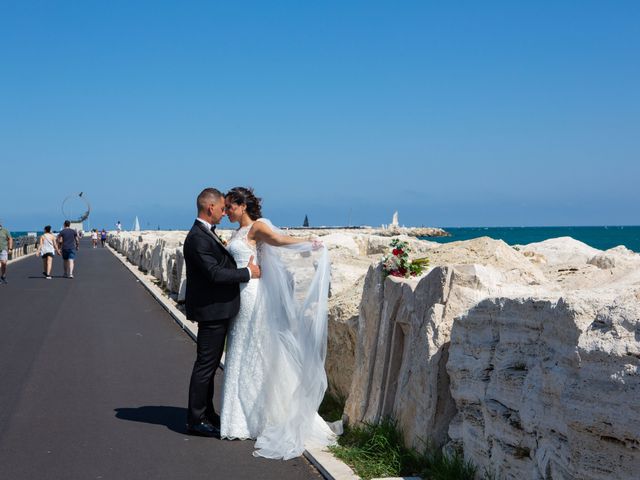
point(254, 269)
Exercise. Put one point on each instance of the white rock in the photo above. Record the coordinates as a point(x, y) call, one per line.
point(561, 250)
point(541, 387)
point(541, 368)
point(617, 256)
point(342, 242)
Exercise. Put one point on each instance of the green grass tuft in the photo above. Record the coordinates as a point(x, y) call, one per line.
point(379, 451)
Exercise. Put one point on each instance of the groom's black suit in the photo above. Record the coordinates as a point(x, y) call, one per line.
point(212, 299)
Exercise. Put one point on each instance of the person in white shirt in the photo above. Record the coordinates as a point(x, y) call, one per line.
point(47, 248)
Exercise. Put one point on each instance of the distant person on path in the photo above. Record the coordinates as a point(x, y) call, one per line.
point(103, 237)
point(6, 247)
point(118, 227)
point(47, 248)
point(94, 238)
point(69, 244)
point(212, 299)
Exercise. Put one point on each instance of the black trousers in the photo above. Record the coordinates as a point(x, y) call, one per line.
point(211, 337)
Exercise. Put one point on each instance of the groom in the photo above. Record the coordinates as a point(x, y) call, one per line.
point(212, 300)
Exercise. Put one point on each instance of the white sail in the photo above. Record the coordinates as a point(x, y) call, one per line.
point(136, 225)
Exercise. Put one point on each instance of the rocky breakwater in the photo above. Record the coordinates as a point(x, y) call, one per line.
point(390, 231)
point(526, 358)
point(158, 253)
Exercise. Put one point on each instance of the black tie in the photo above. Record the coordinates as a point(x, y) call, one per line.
point(213, 230)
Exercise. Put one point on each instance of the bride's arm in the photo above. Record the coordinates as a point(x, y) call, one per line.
point(260, 232)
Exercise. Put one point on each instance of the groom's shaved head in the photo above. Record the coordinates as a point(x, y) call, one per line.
point(207, 197)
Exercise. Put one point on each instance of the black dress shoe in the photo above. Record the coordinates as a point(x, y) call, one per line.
point(203, 430)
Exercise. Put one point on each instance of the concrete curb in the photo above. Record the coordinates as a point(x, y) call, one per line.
point(329, 466)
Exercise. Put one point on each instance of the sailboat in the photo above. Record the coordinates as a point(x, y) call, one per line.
point(136, 225)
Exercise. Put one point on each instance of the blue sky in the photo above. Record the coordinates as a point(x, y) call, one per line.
point(453, 113)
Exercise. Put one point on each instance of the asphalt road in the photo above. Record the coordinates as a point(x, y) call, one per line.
point(93, 383)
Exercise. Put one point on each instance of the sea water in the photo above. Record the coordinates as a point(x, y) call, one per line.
point(601, 238)
point(24, 234)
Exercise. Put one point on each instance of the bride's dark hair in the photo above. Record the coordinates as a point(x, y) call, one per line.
point(245, 196)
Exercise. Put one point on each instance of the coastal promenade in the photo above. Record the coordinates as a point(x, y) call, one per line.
point(93, 383)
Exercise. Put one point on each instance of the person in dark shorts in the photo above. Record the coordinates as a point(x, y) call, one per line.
point(103, 237)
point(47, 248)
point(69, 244)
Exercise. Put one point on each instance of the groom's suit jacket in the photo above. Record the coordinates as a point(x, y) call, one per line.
point(213, 278)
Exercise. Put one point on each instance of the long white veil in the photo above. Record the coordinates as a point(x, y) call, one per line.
point(292, 301)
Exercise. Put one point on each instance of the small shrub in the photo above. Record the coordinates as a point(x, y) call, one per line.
point(379, 451)
point(439, 466)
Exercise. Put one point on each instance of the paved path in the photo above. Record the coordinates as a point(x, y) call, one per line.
point(93, 383)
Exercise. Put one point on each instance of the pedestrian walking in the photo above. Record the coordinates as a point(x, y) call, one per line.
point(69, 244)
point(94, 238)
point(103, 237)
point(6, 247)
point(118, 227)
point(47, 248)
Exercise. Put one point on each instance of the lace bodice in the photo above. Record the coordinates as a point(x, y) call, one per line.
point(240, 248)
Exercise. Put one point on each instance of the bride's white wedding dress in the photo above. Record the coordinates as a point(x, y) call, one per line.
point(274, 378)
point(241, 417)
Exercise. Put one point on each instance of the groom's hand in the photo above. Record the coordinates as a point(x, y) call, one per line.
point(253, 268)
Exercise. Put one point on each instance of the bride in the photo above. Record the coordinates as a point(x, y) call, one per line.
point(274, 378)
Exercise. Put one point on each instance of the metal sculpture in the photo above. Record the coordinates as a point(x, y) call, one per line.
point(68, 207)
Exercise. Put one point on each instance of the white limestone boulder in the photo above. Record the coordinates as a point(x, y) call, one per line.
point(615, 257)
point(341, 244)
point(528, 369)
point(341, 341)
point(541, 386)
point(561, 250)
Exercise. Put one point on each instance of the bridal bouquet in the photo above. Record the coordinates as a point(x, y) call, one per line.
point(397, 262)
